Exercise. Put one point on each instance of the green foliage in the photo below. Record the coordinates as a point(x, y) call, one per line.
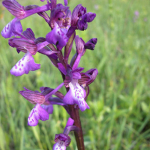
point(119, 100)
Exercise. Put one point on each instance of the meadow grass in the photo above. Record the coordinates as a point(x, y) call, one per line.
point(119, 100)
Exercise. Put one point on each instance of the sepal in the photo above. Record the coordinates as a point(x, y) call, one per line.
point(33, 97)
point(93, 74)
point(14, 8)
point(24, 45)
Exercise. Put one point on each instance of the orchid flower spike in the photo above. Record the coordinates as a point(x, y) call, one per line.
point(43, 105)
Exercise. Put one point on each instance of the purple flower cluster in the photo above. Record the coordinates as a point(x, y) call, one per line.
point(63, 25)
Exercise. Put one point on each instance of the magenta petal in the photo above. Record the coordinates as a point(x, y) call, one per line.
point(82, 104)
point(29, 34)
point(14, 25)
point(24, 65)
point(78, 94)
point(68, 98)
point(48, 108)
point(76, 75)
point(59, 145)
point(37, 113)
point(57, 37)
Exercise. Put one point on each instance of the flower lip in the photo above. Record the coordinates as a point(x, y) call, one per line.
point(24, 65)
point(12, 28)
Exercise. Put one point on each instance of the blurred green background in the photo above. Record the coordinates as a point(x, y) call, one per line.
point(119, 100)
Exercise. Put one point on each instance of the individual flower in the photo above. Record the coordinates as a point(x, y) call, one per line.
point(27, 45)
point(76, 93)
point(43, 103)
point(63, 140)
point(11, 28)
point(60, 22)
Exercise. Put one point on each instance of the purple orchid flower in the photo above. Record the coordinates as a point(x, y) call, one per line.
point(12, 27)
point(27, 45)
point(63, 140)
point(76, 93)
point(60, 23)
point(43, 103)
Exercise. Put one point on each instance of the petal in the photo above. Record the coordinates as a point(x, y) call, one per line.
point(68, 98)
point(29, 34)
point(76, 75)
point(93, 74)
point(78, 94)
point(62, 138)
point(60, 145)
point(79, 69)
point(48, 108)
point(24, 65)
point(82, 104)
point(84, 78)
point(37, 113)
point(57, 37)
point(14, 25)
